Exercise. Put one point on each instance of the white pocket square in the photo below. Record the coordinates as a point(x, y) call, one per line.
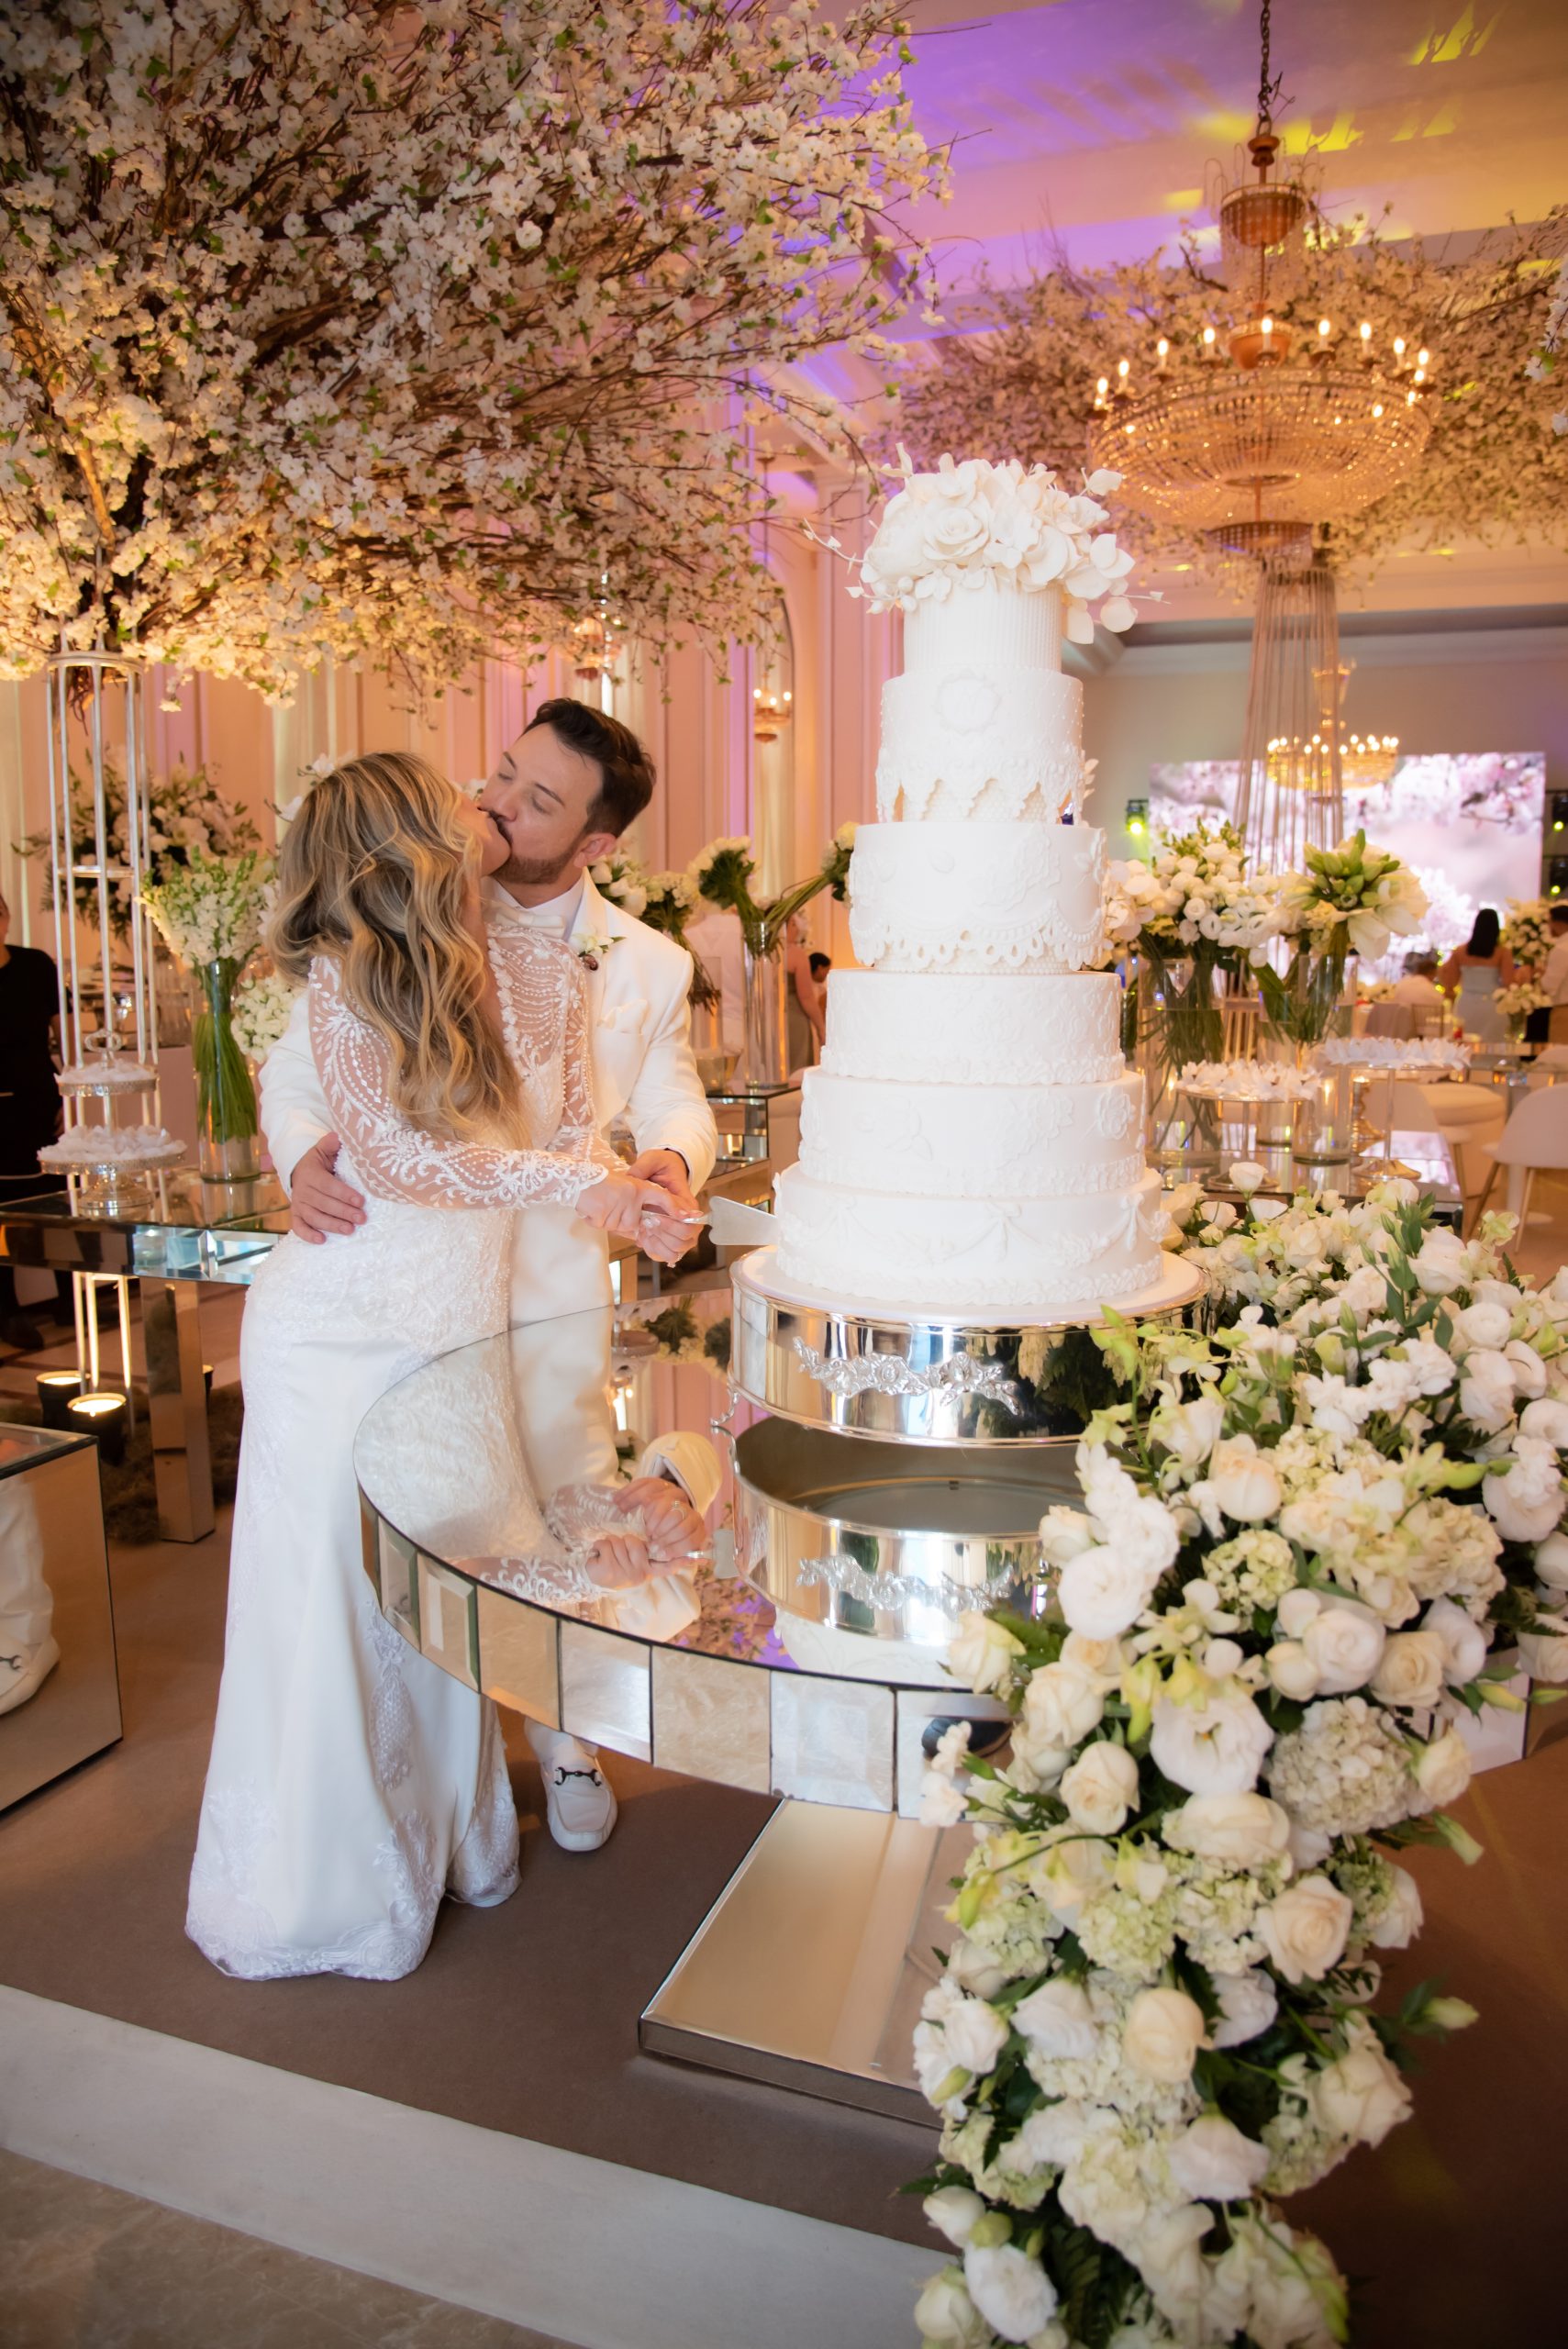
point(623, 1019)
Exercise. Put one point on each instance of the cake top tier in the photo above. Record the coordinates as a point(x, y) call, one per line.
point(977, 525)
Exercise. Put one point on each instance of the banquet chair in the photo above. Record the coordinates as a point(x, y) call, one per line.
point(1467, 1117)
point(1239, 1031)
point(1394, 1020)
point(1534, 1140)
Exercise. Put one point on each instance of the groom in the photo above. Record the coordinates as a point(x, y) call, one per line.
point(562, 795)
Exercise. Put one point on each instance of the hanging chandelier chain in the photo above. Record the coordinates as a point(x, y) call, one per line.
point(1268, 90)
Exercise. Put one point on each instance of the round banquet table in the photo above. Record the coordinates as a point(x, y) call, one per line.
point(800, 1657)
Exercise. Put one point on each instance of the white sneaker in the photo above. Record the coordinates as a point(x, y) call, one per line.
point(24, 1670)
point(579, 1801)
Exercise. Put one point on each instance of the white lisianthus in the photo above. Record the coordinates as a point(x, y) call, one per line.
point(1243, 1481)
point(1103, 1592)
point(1305, 1929)
point(1189, 1430)
point(1547, 1420)
point(1212, 2161)
point(1343, 1644)
point(1171, 2262)
point(1360, 2096)
point(1237, 1831)
point(1012, 2291)
point(1462, 1640)
point(1247, 1174)
point(975, 2034)
point(943, 1802)
point(983, 1652)
point(1551, 1562)
point(953, 2210)
point(1486, 1389)
point(1064, 1533)
point(1161, 2035)
point(1544, 1651)
point(1214, 1747)
point(1525, 1502)
point(946, 2318)
point(1398, 1920)
point(1486, 1324)
point(1443, 1769)
point(1247, 2002)
point(1410, 1673)
point(1062, 1705)
point(1058, 2019)
point(1528, 1370)
point(1442, 1263)
point(1053, 2135)
point(1293, 2295)
point(1101, 1787)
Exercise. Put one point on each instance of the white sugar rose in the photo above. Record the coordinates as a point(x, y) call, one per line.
point(1398, 1921)
point(1103, 1592)
point(1487, 1390)
point(975, 2034)
point(954, 530)
point(1161, 2035)
point(1551, 1562)
point(1212, 1748)
point(1361, 2096)
point(1012, 2291)
point(1443, 1770)
point(1211, 2161)
point(1237, 1831)
point(1059, 2021)
point(983, 1652)
point(953, 2210)
point(1411, 1671)
point(1305, 1929)
point(947, 2318)
point(1101, 1787)
point(1291, 1671)
point(1526, 1501)
point(1244, 1481)
point(1248, 2003)
point(1464, 1641)
point(1062, 1705)
point(1344, 1645)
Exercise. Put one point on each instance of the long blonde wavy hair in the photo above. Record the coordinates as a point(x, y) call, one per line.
point(375, 872)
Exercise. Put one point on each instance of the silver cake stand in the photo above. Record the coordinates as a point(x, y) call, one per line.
point(939, 1378)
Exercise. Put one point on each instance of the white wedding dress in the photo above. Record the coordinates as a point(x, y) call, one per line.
point(351, 1783)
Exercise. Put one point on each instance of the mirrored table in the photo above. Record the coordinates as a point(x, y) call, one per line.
point(800, 1655)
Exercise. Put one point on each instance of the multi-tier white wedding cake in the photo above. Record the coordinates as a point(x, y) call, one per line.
point(973, 1138)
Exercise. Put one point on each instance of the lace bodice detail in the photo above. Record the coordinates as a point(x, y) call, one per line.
point(545, 1025)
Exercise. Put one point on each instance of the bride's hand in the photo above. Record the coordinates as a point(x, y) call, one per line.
point(617, 1204)
point(619, 1561)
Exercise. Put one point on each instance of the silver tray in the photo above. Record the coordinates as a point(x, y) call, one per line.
point(869, 1372)
point(885, 1542)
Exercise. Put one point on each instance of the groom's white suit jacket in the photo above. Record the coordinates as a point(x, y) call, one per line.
point(639, 1031)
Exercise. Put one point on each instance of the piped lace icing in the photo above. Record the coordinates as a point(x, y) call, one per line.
point(977, 896)
point(1013, 735)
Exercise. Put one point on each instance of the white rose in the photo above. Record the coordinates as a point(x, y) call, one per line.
point(1101, 1593)
point(1059, 2021)
point(1102, 1659)
point(1525, 1502)
point(982, 1654)
point(1551, 1562)
point(1443, 1769)
point(1344, 1643)
point(1189, 1430)
point(1101, 1787)
point(1214, 1748)
point(1162, 2033)
point(1442, 1263)
point(1237, 1831)
point(1361, 2096)
point(975, 2035)
point(1305, 1929)
point(1012, 2291)
point(1483, 1324)
point(1244, 1481)
point(1411, 1671)
point(1247, 1174)
point(1291, 1671)
point(1296, 1610)
point(1463, 1642)
point(1544, 1652)
point(1064, 1533)
point(945, 2317)
point(954, 2212)
point(1248, 2003)
point(1399, 1920)
point(1547, 1420)
point(1211, 2161)
point(1486, 1389)
point(1062, 1705)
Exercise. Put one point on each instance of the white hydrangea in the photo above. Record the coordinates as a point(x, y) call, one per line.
point(1346, 1770)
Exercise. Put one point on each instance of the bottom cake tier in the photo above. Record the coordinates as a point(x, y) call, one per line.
point(934, 1253)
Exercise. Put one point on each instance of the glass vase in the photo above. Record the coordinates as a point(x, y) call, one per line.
point(764, 1055)
point(1179, 1019)
point(227, 1128)
point(1325, 1119)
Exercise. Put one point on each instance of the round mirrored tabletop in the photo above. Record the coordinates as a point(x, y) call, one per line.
point(797, 1652)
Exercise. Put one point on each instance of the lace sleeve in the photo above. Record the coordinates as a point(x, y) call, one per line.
point(579, 1130)
point(392, 1157)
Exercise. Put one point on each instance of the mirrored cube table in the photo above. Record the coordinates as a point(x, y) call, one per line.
point(60, 1699)
point(801, 1657)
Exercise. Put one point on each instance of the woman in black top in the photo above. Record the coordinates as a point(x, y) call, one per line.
point(29, 1097)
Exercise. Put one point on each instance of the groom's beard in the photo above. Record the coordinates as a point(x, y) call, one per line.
point(534, 872)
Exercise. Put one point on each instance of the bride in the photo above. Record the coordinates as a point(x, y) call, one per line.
point(351, 1783)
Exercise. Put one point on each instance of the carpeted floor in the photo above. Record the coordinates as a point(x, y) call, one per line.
point(524, 2018)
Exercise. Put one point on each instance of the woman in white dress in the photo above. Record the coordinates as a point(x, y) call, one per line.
point(351, 1783)
point(1472, 974)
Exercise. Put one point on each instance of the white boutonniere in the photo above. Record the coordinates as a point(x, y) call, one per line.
point(591, 952)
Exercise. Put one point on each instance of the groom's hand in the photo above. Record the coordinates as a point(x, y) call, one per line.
point(669, 1170)
point(321, 1206)
point(674, 1528)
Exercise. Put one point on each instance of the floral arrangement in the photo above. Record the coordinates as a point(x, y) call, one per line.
point(1349, 901)
point(1194, 896)
point(1516, 1001)
point(621, 878)
point(663, 900)
point(1526, 933)
point(966, 526)
point(261, 1011)
point(211, 908)
point(185, 814)
point(1303, 1534)
point(407, 379)
point(723, 873)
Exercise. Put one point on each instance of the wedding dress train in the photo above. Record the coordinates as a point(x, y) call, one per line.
point(351, 1782)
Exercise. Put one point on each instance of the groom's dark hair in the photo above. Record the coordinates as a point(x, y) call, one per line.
point(626, 770)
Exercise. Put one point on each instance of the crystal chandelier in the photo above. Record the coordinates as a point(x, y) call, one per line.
point(1282, 428)
point(770, 712)
point(1290, 797)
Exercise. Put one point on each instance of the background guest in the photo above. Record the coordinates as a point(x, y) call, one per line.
point(1417, 986)
point(29, 1097)
point(1553, 979)
point(1472, 974)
